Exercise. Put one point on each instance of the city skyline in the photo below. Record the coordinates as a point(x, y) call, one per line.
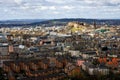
point(55, 9)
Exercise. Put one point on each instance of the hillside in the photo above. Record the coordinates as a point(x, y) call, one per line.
point(57, 22)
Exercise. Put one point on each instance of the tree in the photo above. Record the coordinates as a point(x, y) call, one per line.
point(95, 62)
point(1, 74)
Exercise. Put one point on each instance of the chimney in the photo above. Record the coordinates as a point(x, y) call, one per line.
point(52, 43)
point(41, 42)
point(11, 49)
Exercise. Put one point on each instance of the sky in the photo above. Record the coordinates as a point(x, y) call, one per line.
point(56, 9)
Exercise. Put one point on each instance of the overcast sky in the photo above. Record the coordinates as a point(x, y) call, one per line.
point(52, 9)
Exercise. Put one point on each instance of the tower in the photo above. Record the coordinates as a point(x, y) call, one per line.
point(95, 27)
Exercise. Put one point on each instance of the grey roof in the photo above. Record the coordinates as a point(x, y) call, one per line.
point(89, 64)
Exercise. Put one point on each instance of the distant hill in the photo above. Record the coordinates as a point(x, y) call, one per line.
point(21, 21)
point(56, 22)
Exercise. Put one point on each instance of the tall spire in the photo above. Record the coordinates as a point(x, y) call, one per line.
point(94, 25)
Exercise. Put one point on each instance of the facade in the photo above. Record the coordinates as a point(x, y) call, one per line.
point(88, 54)
point(94, 70)
point(4, 50)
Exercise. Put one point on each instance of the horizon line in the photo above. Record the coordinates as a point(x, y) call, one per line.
point(60, 18)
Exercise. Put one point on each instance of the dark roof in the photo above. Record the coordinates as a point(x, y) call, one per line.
point(89, 52)
point(7, 62)
point(44, 77)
